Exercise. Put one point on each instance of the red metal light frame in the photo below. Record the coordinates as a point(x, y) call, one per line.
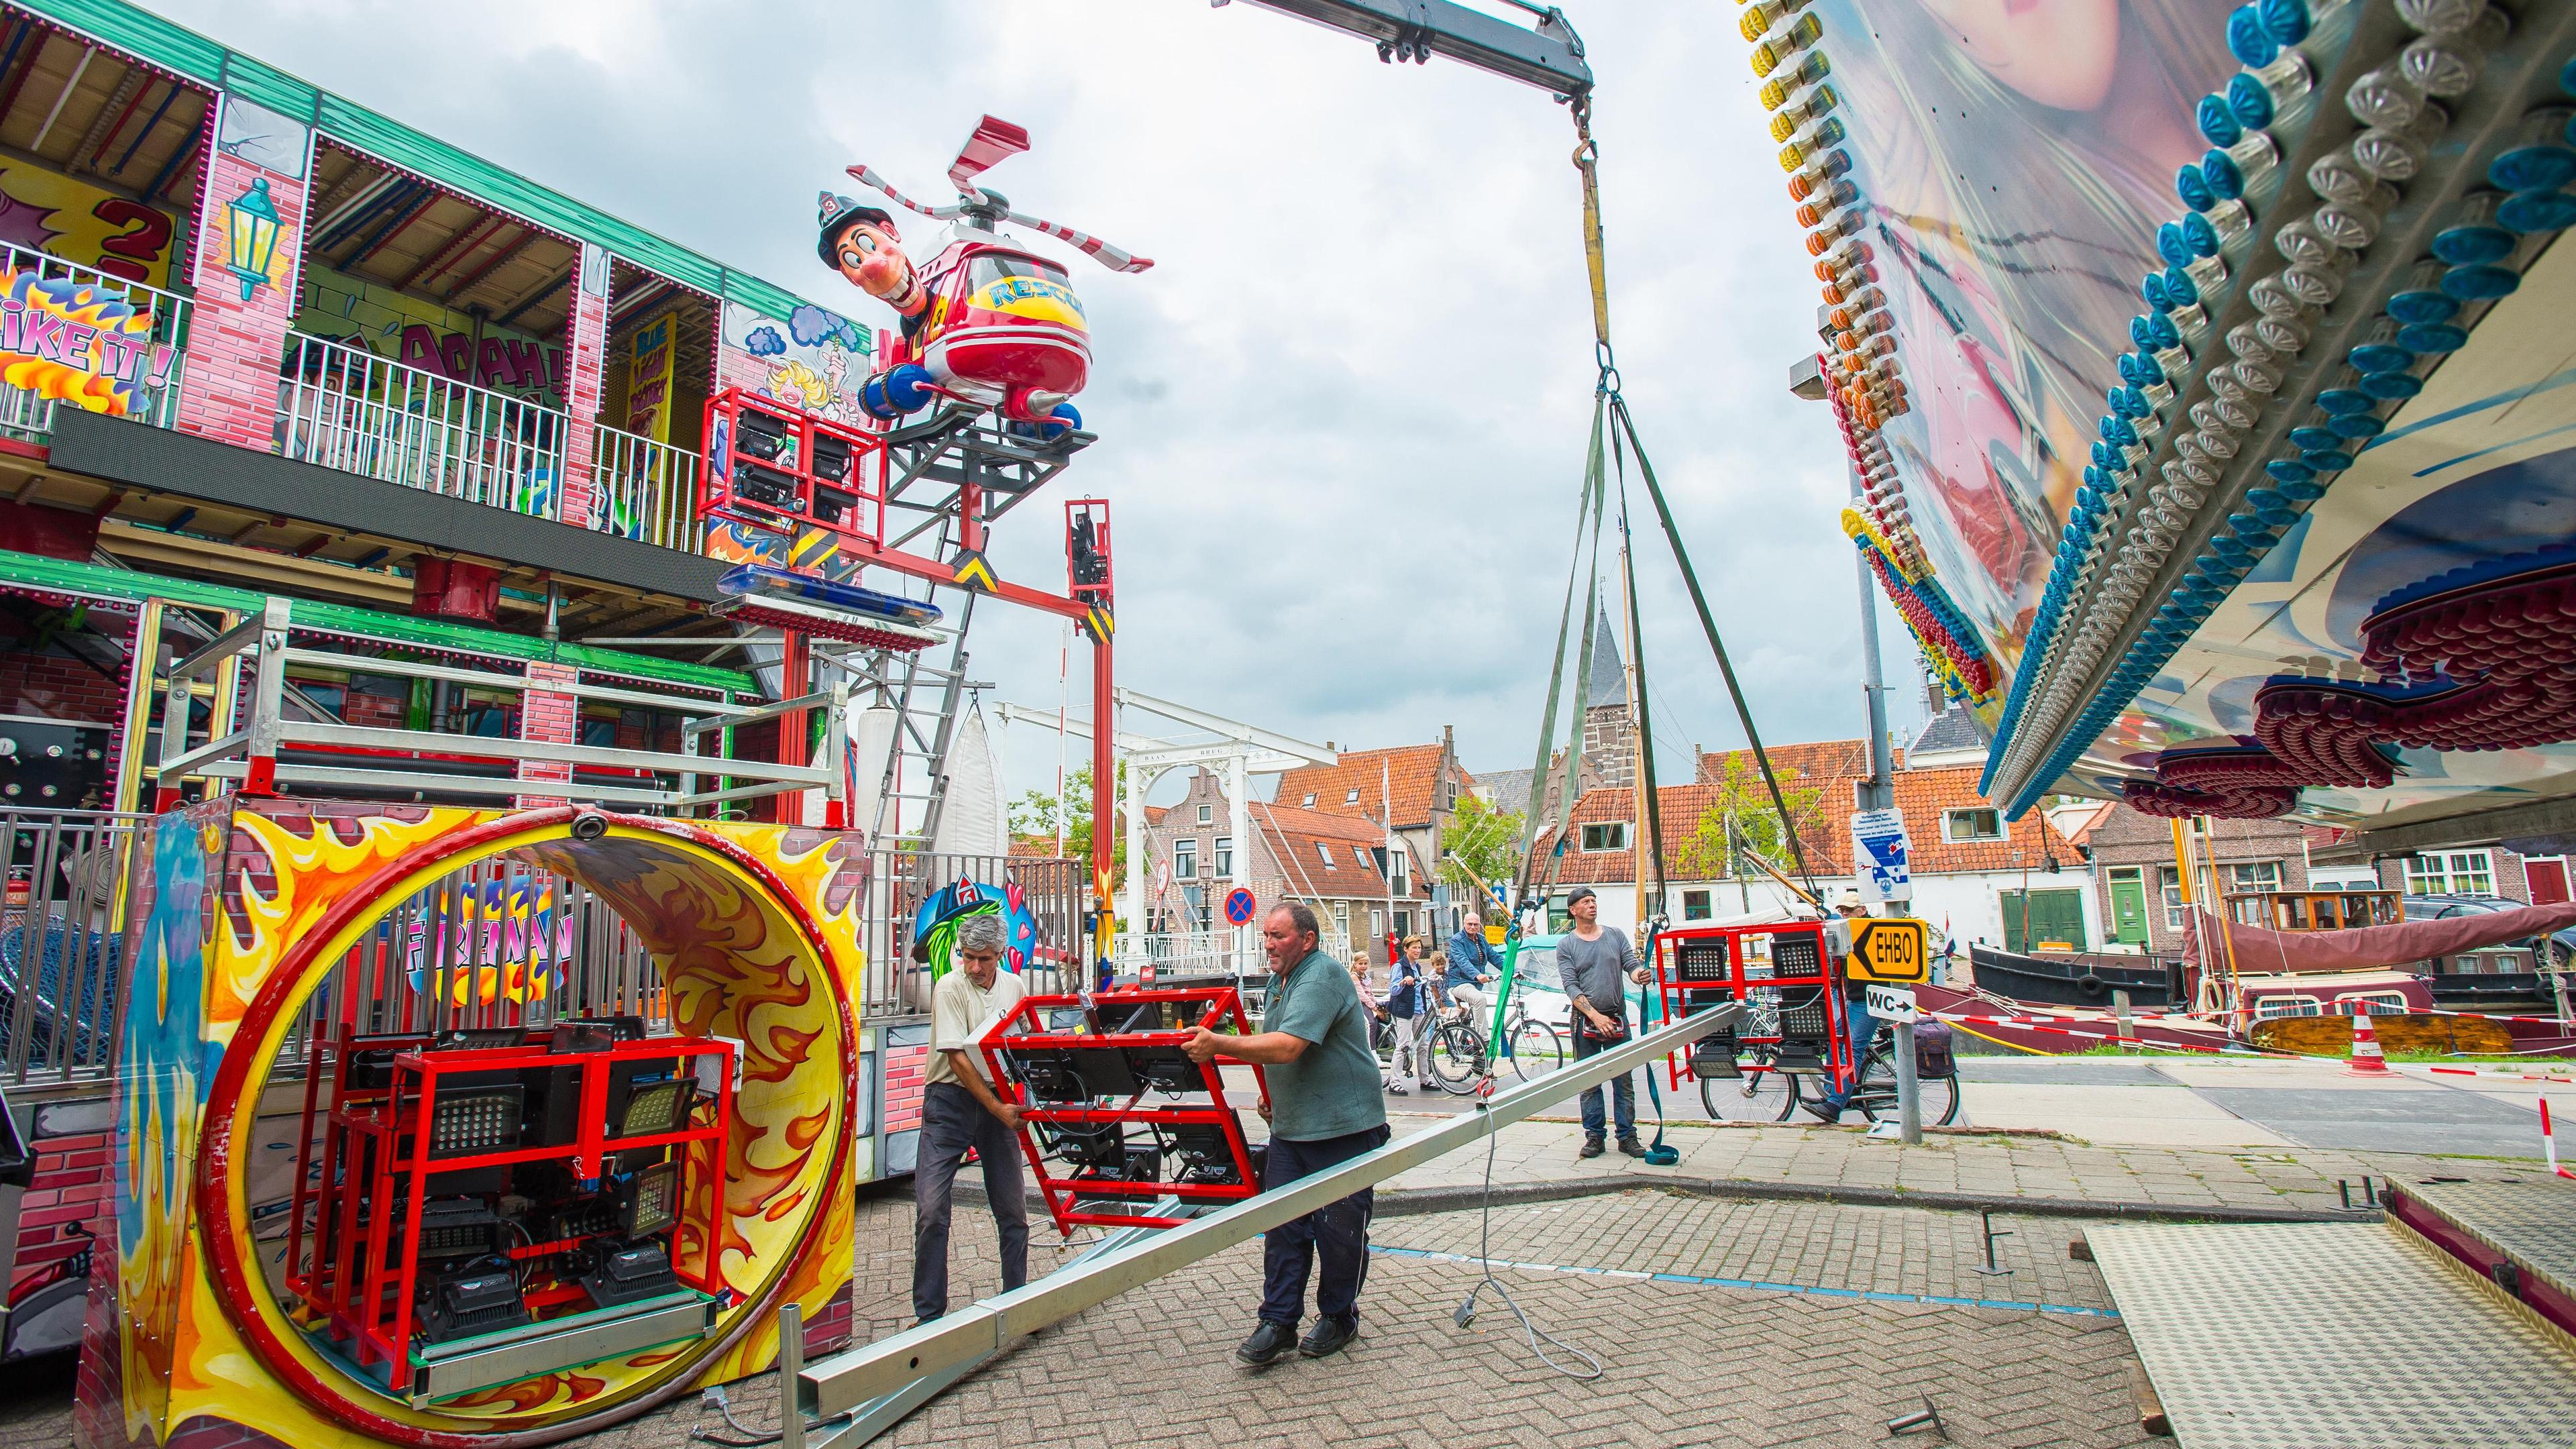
point(866, 481)
point(347, 1298)
point(1061, 1192)
point(1098, 511)
point(1665, 952)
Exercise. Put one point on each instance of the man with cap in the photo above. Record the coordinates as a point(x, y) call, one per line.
point(1594, 963)
point(1850, 912)
point(960, 1110)
point(860, 243)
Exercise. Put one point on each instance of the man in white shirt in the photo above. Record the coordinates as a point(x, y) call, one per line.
point(959, 1110)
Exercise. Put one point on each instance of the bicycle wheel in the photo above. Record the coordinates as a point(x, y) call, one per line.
point(1936, 1099)
point(1760, 1095)
point(1537, 1049)
point(1457, 1057)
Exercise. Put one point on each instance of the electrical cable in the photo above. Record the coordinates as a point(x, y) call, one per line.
point(1466, 1313)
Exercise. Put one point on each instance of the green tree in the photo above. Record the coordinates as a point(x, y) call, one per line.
point(1034, 815)
point(1743, 805)
point(1486, 841)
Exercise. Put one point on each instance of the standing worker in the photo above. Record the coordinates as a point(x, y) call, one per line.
point(1863, 1027)
point(1595, 963)
point(1324, 1110)
point(959, 1110)
point(1472, 964)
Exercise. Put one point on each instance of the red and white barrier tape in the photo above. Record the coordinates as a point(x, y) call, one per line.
point(2549, 1140)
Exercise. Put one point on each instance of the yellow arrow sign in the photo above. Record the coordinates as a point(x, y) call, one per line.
point(1889, 950)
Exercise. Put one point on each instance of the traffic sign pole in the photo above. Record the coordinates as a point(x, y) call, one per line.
point(1909, 1095)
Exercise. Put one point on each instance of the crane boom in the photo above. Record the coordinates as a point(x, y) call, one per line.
point(1550, 57)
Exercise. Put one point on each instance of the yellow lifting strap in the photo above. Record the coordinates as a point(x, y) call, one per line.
point(1587, 159)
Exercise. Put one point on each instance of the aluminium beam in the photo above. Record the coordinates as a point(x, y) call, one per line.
point(848, 1381)
point(1550, 58)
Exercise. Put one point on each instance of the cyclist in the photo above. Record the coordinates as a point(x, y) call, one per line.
point(1473, 964)
point(1405, 985)
point(1864, 1028)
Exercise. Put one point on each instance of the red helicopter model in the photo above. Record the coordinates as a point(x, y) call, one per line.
point(988, 323)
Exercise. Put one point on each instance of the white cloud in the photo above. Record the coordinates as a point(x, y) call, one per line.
point(1342, 419)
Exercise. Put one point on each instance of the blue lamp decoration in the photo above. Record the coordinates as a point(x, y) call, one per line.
point(251, 233)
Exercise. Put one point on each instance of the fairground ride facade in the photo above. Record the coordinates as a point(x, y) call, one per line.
point(2199, 372)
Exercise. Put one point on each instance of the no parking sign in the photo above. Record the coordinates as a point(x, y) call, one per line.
point(1238, 906)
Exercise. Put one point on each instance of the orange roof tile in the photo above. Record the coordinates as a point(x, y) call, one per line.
point(1337, 868)
point(1352, 785)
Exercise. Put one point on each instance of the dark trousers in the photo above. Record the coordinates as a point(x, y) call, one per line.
point(952, 1121)
point(1337, 1231)
point(1623, 1088)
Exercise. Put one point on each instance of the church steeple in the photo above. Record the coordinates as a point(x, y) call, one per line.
point(1609, 732)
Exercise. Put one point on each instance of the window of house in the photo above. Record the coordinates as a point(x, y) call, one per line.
point(1609, 835)
point(1225, 856)
point(1310, 799)
point(1352, 797)
point(1694, 905)
point(2451, 873)
point(1342, 922)
point(2169, 881)
point(1207, 813)
point(1323, 852)
point(2259, 875)
point(1360, 853)
point(1979, 824)
point(1396, 861)
point(1185, 860)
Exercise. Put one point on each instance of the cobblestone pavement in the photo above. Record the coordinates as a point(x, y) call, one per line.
point(1994, 1164)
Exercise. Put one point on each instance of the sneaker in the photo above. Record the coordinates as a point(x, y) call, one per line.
point(1591, 1148)
point(1329, 1335)
point(1823, 1111)
point(1396, 1089)
point(1632, 1147)
point(1269, 1343)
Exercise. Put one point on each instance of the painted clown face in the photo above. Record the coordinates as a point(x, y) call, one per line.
point(869, 254)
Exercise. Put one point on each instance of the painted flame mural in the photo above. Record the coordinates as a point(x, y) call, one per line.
point(755, 929)
point(79, 342)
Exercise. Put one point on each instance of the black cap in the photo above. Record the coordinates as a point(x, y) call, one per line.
point(835, 215)
point(1581, 893)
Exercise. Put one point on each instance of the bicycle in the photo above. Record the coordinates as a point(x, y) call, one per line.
point(1457, 1048)
point(1763, 1092)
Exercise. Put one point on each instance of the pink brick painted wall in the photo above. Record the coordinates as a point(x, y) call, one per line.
point(903, 1087)
point(585, 365)
point(234, 346)
point(549, 718)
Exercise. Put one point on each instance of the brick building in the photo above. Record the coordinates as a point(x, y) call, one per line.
point(1335, 861)
point(1414, 788)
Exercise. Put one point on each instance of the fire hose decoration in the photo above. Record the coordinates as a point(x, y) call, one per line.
point(254, 904)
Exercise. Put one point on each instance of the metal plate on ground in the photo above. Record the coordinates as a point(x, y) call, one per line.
point(2533, 1222)
point(2387, 1118)
point(2278, 1336)
point(2063, 1072)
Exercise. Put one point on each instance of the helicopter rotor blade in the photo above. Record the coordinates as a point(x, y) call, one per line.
point(992, 140)
point(1093, 247)
point(866, 177)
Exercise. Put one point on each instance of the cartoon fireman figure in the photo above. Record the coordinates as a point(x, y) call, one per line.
point(860, 243)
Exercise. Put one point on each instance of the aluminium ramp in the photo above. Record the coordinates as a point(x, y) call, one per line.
point(2330, 1336)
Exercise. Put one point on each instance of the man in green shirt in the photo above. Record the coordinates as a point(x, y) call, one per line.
point(1324, 1109)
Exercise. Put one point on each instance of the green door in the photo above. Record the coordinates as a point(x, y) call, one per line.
point(2042, 916)
point(2129, 905)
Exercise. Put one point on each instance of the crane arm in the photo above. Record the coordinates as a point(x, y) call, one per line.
point(1550, 57)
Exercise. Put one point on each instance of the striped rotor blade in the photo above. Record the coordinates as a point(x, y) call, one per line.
point(992, 140)
point(1092, 246)
point(866, 177)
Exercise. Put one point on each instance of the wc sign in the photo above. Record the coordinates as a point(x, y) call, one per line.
point(1878, 855)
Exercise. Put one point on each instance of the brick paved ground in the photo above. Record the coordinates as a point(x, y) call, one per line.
point(1984, 1163)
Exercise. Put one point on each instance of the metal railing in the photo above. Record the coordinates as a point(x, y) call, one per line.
point(62, 942)
point(1051, 891)
point(345, 757)
point(29, 415)
point(344, 407)
point(648, 491)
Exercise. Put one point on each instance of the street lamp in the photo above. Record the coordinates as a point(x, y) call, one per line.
point(251, 234)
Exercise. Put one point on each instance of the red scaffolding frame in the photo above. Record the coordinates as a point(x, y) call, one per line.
point(346, 1297)
point(1802, 1032)
point(1026, 1029)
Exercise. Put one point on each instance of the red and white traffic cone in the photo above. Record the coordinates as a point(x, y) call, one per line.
point(2366, 1060)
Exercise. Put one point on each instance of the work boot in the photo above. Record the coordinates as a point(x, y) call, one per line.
point(1269, 1343)
point(1632, 1147)
point(1329, 1335)
point(1824, 1111)
point(1591, 1148)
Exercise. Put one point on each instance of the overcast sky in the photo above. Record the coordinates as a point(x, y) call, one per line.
point(1342, 420)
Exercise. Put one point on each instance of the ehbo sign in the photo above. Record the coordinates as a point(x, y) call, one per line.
point(1890, 950)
